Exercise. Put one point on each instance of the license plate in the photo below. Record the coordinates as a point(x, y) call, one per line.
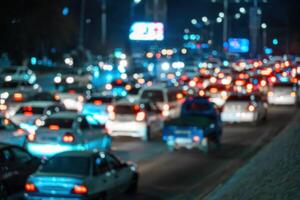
point(183, 140)
point(182, 132)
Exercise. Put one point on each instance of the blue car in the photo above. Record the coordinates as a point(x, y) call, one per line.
point(199, 126)
point(96, 106)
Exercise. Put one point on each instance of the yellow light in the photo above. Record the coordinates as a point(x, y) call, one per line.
point(293, 94)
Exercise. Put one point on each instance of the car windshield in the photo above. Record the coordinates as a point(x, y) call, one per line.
point(127, 109)
point(153, 95)
point(60, 122)
point(67, 165)
point(31, 110)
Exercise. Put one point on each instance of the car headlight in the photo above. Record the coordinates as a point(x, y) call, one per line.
point(4, 95)
point(57, 79)
point(70, 80)
point(8, 78)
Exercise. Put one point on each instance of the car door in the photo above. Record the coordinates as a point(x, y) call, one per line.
point(25, 164)
point(103, 180)
point(9, 170)
point(87, 134)
point(120, 171)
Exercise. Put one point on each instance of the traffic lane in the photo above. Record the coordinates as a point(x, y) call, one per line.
point(186, 174)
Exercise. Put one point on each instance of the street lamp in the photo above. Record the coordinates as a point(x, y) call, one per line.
point(264, 28)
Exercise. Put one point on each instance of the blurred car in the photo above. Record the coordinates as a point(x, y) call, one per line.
point(10, 133)
point(217, 94)
point(283, 94)
point(118, 88)
point(168, 100)
point(199, 126)
point(245, 108)
point(17, 91)
point(67, 131)
point(18, 73)
point(16, 164)
point(73, 96)
point(82, 175)
point(72, 76)
point(31, 114)
point(96, 106)
point(41, 97)
point(141, 119)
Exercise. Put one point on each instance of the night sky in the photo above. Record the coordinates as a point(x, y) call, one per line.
point(35, 26)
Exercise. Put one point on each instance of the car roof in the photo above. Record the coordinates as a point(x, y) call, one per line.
point(66, 115)
point(77, 154)
point(42, 104)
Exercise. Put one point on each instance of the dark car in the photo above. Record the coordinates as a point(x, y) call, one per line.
point(16, 164)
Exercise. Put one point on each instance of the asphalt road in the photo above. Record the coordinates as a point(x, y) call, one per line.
point(189, 174)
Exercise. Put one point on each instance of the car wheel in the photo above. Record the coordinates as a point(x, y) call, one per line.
point(3, 192)
point(132, 189)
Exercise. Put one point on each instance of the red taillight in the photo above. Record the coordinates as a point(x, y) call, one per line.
point(18, 97)
point(140, 116)
point(273, 79)
point(54, 127)
point(31, 137)
point(28, 113)
point(80, 189)
point(30, 187)
point(97, 102)
point(68, 138)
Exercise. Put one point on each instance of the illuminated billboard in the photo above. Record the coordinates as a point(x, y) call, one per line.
point(238, 45)
point(147, 31)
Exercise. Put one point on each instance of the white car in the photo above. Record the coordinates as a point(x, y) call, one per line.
point(67, 131)
point(11, 133)
point(283, 94)
point(82, 175)
point(244, 108)
point(73, 97)
point(19, 73)
point(139, 120)
point(31, 114)
point(168, 100)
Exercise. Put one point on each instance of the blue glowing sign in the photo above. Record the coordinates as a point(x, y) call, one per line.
point(147, 31)
point(238, 45)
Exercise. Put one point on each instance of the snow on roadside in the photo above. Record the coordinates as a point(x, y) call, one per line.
point(274, 173)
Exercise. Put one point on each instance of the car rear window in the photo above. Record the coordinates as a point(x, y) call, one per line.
point(67, 165)
point(240, 98)
point(195, 106)
point(153, 95)
point(100, 99)
point(31, 110)
point(43, 97)
point(127, 109)
point(60, 122)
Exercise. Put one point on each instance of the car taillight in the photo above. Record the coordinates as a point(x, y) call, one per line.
point(293, 94)
point(3, 107)
point(263, 83)
point(140, 116)
point(270, 94)
point(80, 98)
point(110, 108)
point(112, 115)
point(30, 187)
point(108, 86)
point(56, 97)
point(97, 102)
point(18, 97)
point(273, 79)
point(251, 108)
point(80, 189)
point(68, 138)
point(31, 137)
point(54, 127)
point(196, 138)
point(201, 93)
